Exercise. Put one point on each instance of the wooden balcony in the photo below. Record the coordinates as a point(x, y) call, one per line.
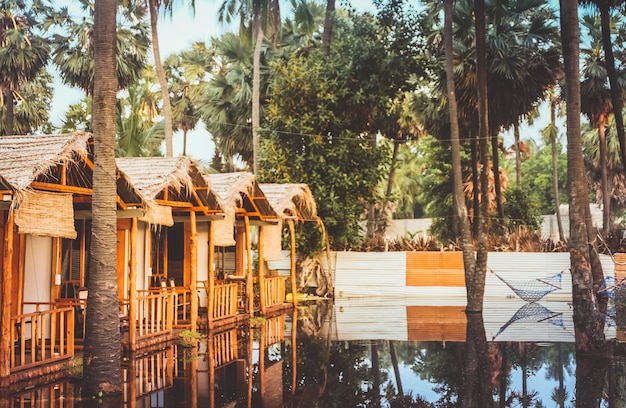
point(42, 341)
point(274, 294)
point(154, 321)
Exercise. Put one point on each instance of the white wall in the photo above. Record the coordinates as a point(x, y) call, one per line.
point(37, 270)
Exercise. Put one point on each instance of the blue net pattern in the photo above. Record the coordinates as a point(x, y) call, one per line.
point(532, 290)
point(533, 313)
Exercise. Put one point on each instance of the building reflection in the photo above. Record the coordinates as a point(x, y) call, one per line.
point(327, 353)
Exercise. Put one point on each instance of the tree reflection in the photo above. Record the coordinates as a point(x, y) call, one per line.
point(477, 370)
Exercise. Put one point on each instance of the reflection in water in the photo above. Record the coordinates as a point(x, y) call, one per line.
point(387, 355)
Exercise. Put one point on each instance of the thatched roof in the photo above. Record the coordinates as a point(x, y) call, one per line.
point(25, 158)
point(170, 180)
point(293, 200)
point(240, 190)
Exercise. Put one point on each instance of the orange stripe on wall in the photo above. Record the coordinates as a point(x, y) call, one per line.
point(436, 323)
point(435, 269)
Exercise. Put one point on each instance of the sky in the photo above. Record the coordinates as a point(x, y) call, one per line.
point(187, 27)
point(175, 34)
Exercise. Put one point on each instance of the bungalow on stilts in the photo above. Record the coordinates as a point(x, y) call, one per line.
point(165, 255)
point(246, 208)
point(293, 203)
point(46, 190)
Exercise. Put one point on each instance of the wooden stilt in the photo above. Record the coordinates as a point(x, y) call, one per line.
point(193, 284)
point(261, 261)
point(5, 305)
point(249, 279)
point(210, 295)
point(292, 272)
point(132, 285)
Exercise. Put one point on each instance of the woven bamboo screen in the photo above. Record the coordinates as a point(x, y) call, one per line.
point(46, 214)
point(224, 231)
point(272, 237)
point(158, 215)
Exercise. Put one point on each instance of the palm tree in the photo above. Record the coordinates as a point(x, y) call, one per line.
point(265, 17)
point(588, 334)
point(469, 262)
point(31, 108)
point(23, 54)
point(226, 99)
point(102, 355)
point(184, 71)
point(73, 50)
point(138, 133)
point(551, 136)
point(604, 7)
point(597, 105)
point(155, 6)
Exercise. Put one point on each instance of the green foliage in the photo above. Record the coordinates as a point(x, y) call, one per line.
point(520, 208)
point(537, 178)
point(73, 47)
point(189, 338)
point(319, 127)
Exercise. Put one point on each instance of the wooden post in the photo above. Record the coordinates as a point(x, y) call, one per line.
point(211, 356)
point(294, 360)
point(210, 296)
point(262, 345)
point(249, 279)
point(292, 272)
point(262, 293)
point(193, 284)
point(132, 285)
point(5, 303)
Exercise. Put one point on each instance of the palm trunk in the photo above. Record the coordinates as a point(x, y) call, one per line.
point(606, 196)
point(476, 184)
point(461, 216)
point(102, 356)
point(555, 174)
point(555, 187)
point(396, 367)
point(9, 117)
point(185, 142)
point(328, 26)
point(616, 98)
point(587, 323)
point(165, 95)
point(496, 176)
point(256, 94)
point(518, 155)
point(476, 283)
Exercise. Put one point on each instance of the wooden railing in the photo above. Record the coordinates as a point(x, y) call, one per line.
point(42, 337)
point(155, 310)
point(224, 300)
point(274, 330)
point(147, 374)
point(224, 348)
point(182, 306)
point(274, 291)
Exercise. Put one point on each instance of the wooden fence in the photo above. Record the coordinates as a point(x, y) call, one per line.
point(155, 310)
point(42, 337)
point(274, 291)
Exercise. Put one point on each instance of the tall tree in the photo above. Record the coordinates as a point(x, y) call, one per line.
point(589, 334)
point(265, 19)
point(462, 217)
point(551, 136)
point(102, 355)
point(597, 103)
point(73, 50)
point(476, 282)
point(158, 66)
point(604, 7)
point(24, 52)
